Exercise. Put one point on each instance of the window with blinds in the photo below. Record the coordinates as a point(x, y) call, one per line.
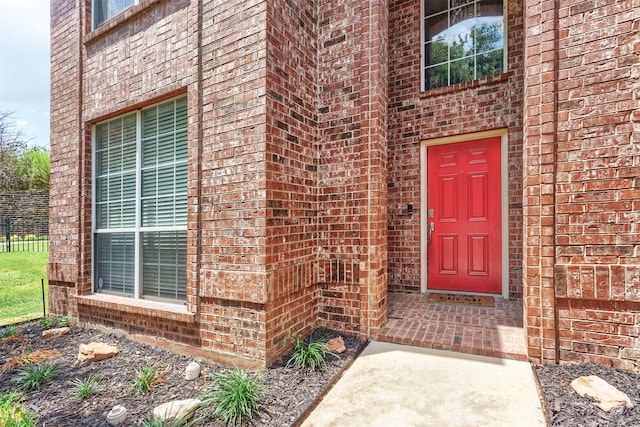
point(103, 10)
point(140, 203)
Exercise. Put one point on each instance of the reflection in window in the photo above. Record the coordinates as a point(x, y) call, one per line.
point(103, 10)
point(463, 40)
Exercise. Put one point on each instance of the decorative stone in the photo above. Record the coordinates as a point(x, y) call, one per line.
point(96, 351)
point(181, 409)
point(336, 345)
point(607, 396)
point(116, 416)
point(192, 372)
point(56, 332)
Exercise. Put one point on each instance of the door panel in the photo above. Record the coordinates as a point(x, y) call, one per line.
point(463, 190)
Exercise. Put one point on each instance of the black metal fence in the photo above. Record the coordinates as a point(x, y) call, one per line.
point(24, 235)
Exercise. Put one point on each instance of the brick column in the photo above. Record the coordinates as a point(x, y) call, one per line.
point(66, 136)
point(373, 155)
point(540, 138)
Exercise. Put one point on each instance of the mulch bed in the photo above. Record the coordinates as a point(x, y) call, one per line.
point(290, 391)
point(564, 407)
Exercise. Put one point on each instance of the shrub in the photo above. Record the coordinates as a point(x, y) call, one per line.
point(47, 322)
point(309, 354)
point(9, 331)
point(234, 395)
point(146, 377)
point(63, 321)
point(83, 389)
point(33, 376)
point(13, 413)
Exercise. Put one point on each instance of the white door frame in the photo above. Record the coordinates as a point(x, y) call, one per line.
point(504, 199)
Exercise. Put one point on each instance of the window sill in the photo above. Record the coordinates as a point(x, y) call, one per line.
point(161, 310)
point(120, 19)
point(472, 84)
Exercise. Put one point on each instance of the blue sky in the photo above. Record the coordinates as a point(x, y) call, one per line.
point(24, 66)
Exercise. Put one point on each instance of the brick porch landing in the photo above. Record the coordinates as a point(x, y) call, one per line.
point(488, 331)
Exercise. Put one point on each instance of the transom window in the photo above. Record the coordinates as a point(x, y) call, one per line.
point(140, 203)
point(463, 40)
point(103, 10)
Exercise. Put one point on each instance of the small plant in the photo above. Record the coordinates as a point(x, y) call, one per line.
point(146, 377)
point(13, 413)
point(33, 376)
point(47, 322)
point(234, 395)
point(9, 331)
point(63, 321)
point(309, 354)
point(83, 389)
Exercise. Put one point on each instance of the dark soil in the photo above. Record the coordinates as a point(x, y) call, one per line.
point(565, 407)
point(290, 391)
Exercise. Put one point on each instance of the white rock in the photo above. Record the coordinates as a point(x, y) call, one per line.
point(116, 416)
point(176, 409)
point(192, 371)
point(608, 396)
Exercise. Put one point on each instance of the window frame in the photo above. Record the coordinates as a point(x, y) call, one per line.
point(138, 230)
point(94, 9)
point(423, 53)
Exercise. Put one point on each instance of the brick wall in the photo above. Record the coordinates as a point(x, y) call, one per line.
point(416, 116)
point(352, 162)
point(582, 182)
point(25, 205)
point(292, 170)
point(64, 180)
point(232, 213)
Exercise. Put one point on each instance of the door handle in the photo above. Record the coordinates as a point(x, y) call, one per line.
point(431, 226)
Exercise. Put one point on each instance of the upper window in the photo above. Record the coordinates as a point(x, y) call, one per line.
point(140, 203)
point(103, 10)
point(463, 40)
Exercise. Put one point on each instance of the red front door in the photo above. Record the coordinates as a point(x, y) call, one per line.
point(464, 215)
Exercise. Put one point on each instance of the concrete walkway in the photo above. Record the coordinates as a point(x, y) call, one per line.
point(391, 385)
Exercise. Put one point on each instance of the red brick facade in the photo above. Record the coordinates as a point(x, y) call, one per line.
point(582, 195)
point(306, 121)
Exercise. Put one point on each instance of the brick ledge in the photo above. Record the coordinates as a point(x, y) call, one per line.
point(162, 310)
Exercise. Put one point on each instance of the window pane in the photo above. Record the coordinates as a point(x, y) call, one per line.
point(107, 9)
point(163, 202)
point(101, 136)
point(490, 63)
point(436, 26)
point(164, 265)
point(437, 76)
point(432, 7)
point(459, 33)
point(461, 71)
point(114, 262)
point(164, 176)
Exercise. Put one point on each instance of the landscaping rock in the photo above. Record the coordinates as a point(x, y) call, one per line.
point(96, 351)
point(192, 371)
point(336, 345)
point(608, 397)
point(176, 409)
point(56, 332)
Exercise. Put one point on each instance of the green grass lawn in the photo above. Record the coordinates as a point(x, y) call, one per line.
point(20, 289)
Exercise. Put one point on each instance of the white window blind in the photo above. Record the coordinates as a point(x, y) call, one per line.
point(140, 203)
